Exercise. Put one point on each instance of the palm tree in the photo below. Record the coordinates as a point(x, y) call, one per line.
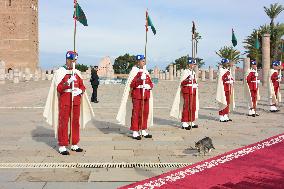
point(272, 12)
point(250, 40)
point(229, 53)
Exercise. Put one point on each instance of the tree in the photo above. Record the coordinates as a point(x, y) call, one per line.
point(229, 53)
point(81, 67)
point(272, 12)
point(250, 40)
point(123, 64)
point(183, 61)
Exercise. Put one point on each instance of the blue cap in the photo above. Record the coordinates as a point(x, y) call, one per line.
point(140, 57)
point(276, 63)
point(225, 60)
point(253, 62)
point(71, 55)
point(191, 61)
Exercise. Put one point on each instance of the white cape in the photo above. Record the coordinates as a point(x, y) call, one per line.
point(125, 106)
point(247, 94)
point(220, 96)
point(51, 109)
point(271, 93)
point(177, 106)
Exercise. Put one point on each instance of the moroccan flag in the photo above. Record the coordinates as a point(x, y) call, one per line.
point(150, 23)
point(234, 39)
point(79, 15)
point(256, 42)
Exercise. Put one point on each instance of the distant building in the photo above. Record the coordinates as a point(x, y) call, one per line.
point(19, 42)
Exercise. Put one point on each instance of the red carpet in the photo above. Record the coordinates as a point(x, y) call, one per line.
point(257, 166)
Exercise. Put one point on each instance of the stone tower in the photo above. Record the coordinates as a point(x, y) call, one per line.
point(19, 33)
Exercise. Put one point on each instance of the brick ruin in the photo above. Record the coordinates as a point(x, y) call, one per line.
point(19, 44)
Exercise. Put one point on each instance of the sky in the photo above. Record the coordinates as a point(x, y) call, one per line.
point(117, 27)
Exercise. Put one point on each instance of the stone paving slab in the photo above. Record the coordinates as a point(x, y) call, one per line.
point(55, 175)
point(85, 185)
point(122, 175)
point(22, 185)
point(25, 137)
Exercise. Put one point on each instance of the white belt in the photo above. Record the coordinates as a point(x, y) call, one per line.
point(68, 90)
point(141, 87)
point(189, 85)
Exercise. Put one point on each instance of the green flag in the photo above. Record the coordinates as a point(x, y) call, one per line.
point(80, 15)
point(256, 42)
point(150, 23)
point(234, 39)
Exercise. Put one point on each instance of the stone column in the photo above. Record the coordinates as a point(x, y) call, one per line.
point(175, 71)
point(2, 72)
point(160, 74)
point(233, 70)
point(171, 72)
point(203, 75)
point(16, 76)
point(36, 75)
point(89, 71)
point(21, 75)
point(167, 77)
point(196, 70)
point(27, 74)
point(43, 75)
point(156, 72)
point(265, 58)
point(11, 75)
point(178, 73)
point(164, 76)
point(49, 75)
point(211, 74)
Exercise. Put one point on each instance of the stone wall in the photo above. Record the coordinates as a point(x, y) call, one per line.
point(19, 33)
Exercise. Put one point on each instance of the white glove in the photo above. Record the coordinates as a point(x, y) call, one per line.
point(230, 82)
point(143, 76)
point(279, 77)
point(77, 91)
point(147, 86)
point(256, 74)
point(195, 86)
point(71, 79)
point(258, 81)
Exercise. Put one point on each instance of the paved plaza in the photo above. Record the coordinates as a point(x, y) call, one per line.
point(26, 138)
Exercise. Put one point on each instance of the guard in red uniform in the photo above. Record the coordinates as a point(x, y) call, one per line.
point(188, 89)
point(253, 87)
point(225, 90)
point(67, 88)
point(140, 93)
point(274, 86)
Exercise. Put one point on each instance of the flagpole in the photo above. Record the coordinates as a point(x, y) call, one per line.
point(73, 73)
point(143, 90)
point(192, 79)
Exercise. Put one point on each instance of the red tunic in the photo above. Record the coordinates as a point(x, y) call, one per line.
point(138, 103)
point(136, 91)
point(275, 81)
point(189, 98)
point(65, 111)
point(226, 78)
point(252, 82)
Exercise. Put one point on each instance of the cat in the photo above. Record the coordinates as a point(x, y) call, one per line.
point(204, 145)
